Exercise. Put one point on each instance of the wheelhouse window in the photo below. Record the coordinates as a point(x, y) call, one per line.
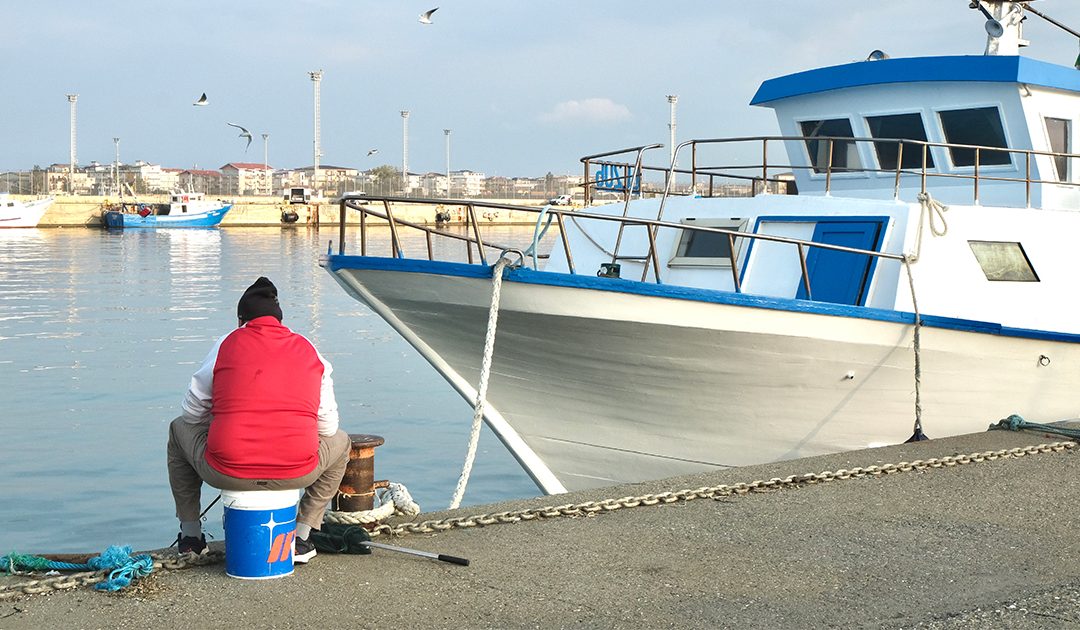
point(980, 127)
point(1003, 261)
point(699, 248)
point(1059, 130)
point(845, 156)
point(902, 127)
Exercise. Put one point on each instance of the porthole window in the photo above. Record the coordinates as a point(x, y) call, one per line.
point(699, 248)
point(978, 127)
point(1003, 261)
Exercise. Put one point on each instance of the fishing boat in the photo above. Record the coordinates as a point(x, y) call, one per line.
point(907, 272)
point(22, 214)
point(184, 210)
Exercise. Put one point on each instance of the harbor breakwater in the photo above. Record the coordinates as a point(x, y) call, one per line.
point(85, 211)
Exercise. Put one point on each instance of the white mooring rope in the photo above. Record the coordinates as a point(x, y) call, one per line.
point(481, 390)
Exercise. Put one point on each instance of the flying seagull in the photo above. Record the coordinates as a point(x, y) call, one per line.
point(425, 17)
point(372, 152)
point(202, 100)
point(244, 133)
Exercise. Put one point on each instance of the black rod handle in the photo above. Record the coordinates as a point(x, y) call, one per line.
point(454, 559)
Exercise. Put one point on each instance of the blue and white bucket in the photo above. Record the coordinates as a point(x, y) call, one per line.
point(259, 532)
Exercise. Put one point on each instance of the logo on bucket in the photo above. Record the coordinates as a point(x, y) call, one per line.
point(281, 547)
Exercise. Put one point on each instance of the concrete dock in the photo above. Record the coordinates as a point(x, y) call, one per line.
point(984, 543)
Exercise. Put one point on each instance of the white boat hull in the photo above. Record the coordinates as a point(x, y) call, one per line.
point(23, 215)
point(592, 387)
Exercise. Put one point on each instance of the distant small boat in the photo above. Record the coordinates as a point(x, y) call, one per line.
point(18, 214)
point(183, 210)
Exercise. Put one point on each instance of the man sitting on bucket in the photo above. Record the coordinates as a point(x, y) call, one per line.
point(260, 414)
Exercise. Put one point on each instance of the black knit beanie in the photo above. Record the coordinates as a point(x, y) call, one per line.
point(259, 299)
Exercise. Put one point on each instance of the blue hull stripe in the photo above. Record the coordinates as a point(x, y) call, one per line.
point(618, 285)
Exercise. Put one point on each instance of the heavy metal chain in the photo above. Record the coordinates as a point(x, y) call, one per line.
point(709, 492)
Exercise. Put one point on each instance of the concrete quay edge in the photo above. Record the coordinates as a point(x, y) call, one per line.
point(984, 544)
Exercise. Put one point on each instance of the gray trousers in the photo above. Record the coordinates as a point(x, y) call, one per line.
point(188, 470)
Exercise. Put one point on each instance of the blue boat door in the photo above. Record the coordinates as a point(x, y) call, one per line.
point(842, 277)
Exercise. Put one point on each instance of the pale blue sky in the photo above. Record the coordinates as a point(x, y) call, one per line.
point(526, 87)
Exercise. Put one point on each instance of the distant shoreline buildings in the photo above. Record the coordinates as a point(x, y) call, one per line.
point(257, 179)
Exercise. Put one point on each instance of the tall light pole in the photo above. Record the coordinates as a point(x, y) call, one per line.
point(447, 132)
point(672, 99)
point(72, 98)
point(116, 168)
point(266, 142)
point(316, 79)
point(405, 151)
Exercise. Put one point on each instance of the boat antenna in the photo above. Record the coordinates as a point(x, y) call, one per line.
point(1053, 21)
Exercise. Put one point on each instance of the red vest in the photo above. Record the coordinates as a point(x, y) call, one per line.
point(265, 403)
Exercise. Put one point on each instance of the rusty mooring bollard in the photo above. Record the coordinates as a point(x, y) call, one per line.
point(357, 490)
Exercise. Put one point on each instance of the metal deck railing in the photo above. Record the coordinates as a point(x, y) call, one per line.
point(476, 247)
point(625, 177)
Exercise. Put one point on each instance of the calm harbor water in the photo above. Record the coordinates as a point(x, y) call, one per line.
point(100, 332)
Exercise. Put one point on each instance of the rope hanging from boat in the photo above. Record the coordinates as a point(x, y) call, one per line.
point(932, 208)
point(917, 433)
point(485, 371)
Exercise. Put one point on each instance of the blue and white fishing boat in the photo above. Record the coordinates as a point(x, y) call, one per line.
point(184, 210)
point(922, 280)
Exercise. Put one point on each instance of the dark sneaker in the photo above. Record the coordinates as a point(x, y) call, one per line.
point(190, 544)
point(303, 551)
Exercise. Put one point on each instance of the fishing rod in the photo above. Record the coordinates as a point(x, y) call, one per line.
point(416, 552)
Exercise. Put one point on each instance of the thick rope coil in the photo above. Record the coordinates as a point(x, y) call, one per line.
point(485, 371)
point(394, 499)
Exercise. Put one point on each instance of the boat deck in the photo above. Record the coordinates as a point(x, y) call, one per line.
point(982, 544)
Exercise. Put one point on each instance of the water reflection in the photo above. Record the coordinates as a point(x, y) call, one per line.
point(101, 330)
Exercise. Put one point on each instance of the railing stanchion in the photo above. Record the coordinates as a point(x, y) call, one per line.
point(476, 232)
point(805, 272)
point(693, 168)
point(978, 159)
point(585, 184)
point(395, 244)
point(1027, 180)
point(469, 218)
point(899, 168)
point(430, 249)
point(341, 227)
point(565, 242)
point(734, 268)
point(363, 230)
point(828, 169)
point(650, 229)
point(925, 150)
point(764, 167)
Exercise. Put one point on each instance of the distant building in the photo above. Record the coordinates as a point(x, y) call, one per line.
point(207, 182)
point(333, 180)
point(248, 179)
